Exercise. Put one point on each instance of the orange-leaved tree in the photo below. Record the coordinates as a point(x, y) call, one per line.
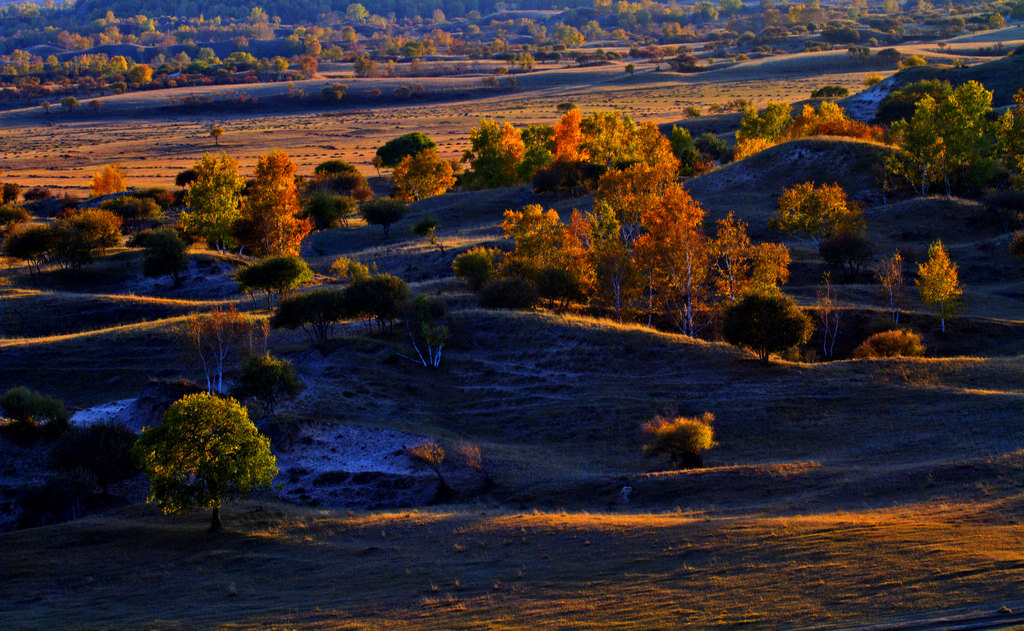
point(269, 224)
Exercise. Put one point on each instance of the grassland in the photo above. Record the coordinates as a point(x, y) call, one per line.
point(842, 493)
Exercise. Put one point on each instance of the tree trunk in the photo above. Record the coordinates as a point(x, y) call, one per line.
point(215, 525)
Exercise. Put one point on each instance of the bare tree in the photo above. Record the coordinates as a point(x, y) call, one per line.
point(217, 338)
point(890, 274)
point(829, 315)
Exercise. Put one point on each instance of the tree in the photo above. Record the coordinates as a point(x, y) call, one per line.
point(342, 178)
point(426, 228)
point(349, 269)
point(216, 133)
point(216, 338)
point(938, 283)
point(383, 213)
point(495, 152)
point(682, 440)
point(427, 331)
point(269, 224)
point(109, 179)
point(212, 200)
point(135, 212)
point(890, 275)
point(266, 379)
point(328, 210)
point(817, 213)
point(203, 453)
point(379, 297)
point(75, 237)
point(69, 103)
point(765, 323)
point(32, 244)
point(393, 151)
point(846, 251)
point(1011, 135)
point(422, 175)
point(166, 255)
point(274, 275)
point(315, 312)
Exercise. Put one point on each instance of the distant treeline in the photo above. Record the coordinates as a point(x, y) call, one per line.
point(295, 11)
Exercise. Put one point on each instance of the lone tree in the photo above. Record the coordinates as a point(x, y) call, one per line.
point(817, 213)
point(939, 284)
point(765, 323)
point(204, 452)
point(216, 133)
point(383, 213)
point(432, 455)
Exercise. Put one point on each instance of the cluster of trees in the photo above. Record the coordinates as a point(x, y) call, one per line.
point(776, 124)
point(643, 253)
point(952, 140)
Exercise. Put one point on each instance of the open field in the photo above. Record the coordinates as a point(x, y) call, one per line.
point(841, 493)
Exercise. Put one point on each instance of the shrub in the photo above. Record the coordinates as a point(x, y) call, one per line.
point(101, 449)
point(847, 251)
point(134, 211)
point(28, 408)
point(476, 266)
point(267, 380)
point(31, 244)
point(349, 269)
point(895, 343)
point(714, 147)
point(830, 91)
point(682, 440)
point(166, 255)
point(76, 236)
point(872, 79)
point(911, 61)
point(328, 210)
point(1017, 244)
point(379, 297)
point(9, 193)
point(11, 215)
point(342, 178)
point(37, 193)
point(765, 323)
point(509, 293)
point(62, 497)
point(558, 286)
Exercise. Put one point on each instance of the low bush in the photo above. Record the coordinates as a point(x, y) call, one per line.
point(509, 293)
point(895, 343)
point(476, 266)
point(682, 440)
point(830, 91)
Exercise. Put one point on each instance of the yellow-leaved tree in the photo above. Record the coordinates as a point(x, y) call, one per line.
point(939, 284)
point(423, 175)
point(110, 179)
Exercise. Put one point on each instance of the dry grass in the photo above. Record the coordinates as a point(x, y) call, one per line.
point(282, 567)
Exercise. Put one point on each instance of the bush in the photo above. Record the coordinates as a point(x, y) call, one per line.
point(714, 147)
point(341, 178)
point(682, 440)
point(895, 343)
point(847, 251)
point(509, 293)
point(166, 255)
point(103, 450)
point(349, 269)
point(76, 236)
point(1017, 244)
point(558, 286)
point(476, 266)
point(31, 244)
point(383, 213)
point(134, 211)
point(11, 215)
point(379, 297)
point(911, 61)
point(28, 408)
point(327, 210)
point(426, 227)
point(63, 497)
point(267, 380)
point(765, 323)
point(830, 91)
